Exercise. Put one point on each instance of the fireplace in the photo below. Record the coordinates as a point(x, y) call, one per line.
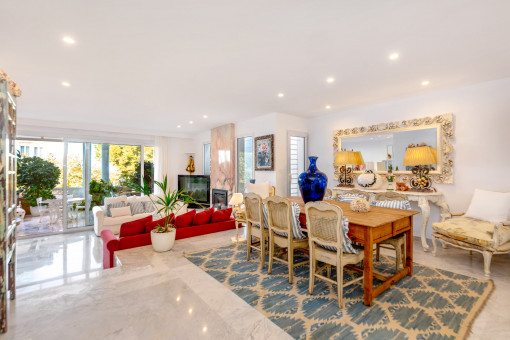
point(219, 199)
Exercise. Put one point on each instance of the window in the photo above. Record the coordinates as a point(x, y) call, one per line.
point(296, 162)
point(244, 162)
point(207, 159)
point(148, 166)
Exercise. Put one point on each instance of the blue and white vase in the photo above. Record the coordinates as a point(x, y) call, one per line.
point(312, 182)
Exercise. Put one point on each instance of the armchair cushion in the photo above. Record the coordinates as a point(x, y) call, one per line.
point(467, 229)
point(490, 206)
point(134, 227)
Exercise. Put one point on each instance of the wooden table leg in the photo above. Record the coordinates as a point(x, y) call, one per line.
point(368, 262)
point(409, 249)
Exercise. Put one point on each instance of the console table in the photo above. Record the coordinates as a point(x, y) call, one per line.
point(423, 199)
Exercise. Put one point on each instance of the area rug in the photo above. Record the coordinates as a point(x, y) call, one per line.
point(432, 304)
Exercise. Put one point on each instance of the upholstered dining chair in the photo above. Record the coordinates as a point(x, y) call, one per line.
point(348, 196)
point(324, 223)
point(255, 226)
point(397, 243)
point(281, 233)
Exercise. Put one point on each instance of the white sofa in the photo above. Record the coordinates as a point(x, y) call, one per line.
point(102, 222)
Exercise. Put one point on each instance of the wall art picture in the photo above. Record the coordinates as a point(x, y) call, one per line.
point(264, 153)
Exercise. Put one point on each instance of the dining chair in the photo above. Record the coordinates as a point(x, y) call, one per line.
point(281, 233)
point(397, 243)
point(255, 226)
point(324, 224)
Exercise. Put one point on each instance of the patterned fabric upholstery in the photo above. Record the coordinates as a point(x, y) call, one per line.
point(296, 226)
point(148, 207)
point(120, 204)
point(404, 205)
point(346, 241)
point(467, 229)
point(349, 197)
point(136, 207)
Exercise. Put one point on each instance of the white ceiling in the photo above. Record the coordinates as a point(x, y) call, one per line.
point(156, 64)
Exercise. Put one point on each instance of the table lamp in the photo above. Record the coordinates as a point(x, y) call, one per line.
point(236, 200)
point(343, 159)
point(359, 158)
point(418, 157)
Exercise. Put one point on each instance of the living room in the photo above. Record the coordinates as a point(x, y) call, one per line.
point(253, 100)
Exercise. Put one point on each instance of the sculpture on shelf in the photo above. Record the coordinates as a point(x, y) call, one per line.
point(191, 166)
point(370, 180)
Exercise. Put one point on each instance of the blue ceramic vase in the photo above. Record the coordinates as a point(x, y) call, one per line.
point(313, 182)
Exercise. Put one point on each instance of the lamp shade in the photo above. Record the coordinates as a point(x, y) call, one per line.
point(236, 199)
point(345, 158)
point(421, 155)
point(359, 158)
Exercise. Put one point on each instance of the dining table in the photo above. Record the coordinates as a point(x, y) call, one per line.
point(369, 228)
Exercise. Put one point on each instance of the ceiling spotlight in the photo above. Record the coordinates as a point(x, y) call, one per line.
point(178, 126)
point(68, 40)
point(425, 83)
point(328, 107)
point(280, 95)
point(204, 329)
point(205, 116)
point(191, 122)
point(190, 310)
point(393, 56)
point(330, 80)
point(66, 84)
point(179, 297)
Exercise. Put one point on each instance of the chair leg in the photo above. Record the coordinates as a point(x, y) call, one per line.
point(248, 242)
point(377, 252)
point(328, 271)
point(262, 250)
point(434, 245)
point(340, 284)
point(291, 263)
point(487, 256)
point(398, 256)
point(271, 252)
point(313, 264)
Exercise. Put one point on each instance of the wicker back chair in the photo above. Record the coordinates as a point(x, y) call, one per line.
point(279, 211)
point(324, 223)
point(396, 242)
point(255, 226)
point(329, 192)
point(360, 193)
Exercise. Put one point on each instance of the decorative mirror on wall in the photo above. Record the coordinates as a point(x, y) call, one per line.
point(383, 146)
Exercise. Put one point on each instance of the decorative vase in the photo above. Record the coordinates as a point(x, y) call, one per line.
point(312, 182)
point(163, 241)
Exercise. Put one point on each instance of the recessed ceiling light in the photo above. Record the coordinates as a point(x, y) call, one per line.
point(179, 297)
point(280, 95)
point(330, 80)
point(178, 126)
point(191, 122)
point(328, 107)
point(393, 56)
point(68, 40)
point(66, 84)
point(204, 329)
point(425, 83)
point(205, 116)
point(190, 310)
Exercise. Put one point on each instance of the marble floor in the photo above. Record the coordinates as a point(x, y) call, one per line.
point(35, 226)
point(63, 293)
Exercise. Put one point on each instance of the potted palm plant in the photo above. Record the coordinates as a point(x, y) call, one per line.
point(163, 236)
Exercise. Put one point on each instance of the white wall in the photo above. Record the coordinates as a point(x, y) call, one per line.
point(482, 121)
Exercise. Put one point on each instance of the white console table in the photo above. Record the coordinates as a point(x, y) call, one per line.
point(423, 199)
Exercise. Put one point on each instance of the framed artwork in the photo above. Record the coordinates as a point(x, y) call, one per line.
point(264, 153)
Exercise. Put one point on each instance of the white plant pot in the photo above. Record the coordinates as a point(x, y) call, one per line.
point(34, 211)
point(163, 241)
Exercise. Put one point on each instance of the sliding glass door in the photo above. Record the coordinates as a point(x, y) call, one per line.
point(244, 162)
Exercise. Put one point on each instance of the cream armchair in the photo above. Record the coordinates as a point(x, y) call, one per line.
point(472, 234)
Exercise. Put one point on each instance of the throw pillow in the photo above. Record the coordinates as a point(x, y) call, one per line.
point(136, 207)
point(185, 220)
point(203, 217)
point(489, 206)
point(118, 212)
point(148, 207)
point(404, 205)
point(134, 227)
point(221, 215)
point(109, 206)
point(153, 224)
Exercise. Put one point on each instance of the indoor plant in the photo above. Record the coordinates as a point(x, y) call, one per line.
point(163, 236)
point(36, 178)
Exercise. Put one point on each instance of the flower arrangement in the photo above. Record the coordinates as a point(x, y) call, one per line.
point(13, 87)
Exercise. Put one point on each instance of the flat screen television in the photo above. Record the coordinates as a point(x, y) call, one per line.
point(198, 187)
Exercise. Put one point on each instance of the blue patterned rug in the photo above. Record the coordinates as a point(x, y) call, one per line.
point(432, 304)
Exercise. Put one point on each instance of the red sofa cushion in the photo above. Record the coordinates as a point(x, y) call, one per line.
point(221, 215)
point(151, 225)
point(203, 217)
point(135, 241)
point(193, 231)
point(134, 227)
point(185, 220)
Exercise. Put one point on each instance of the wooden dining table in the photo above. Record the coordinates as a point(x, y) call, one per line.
point(369, 228)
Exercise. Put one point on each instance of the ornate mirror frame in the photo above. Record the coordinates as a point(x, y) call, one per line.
point(445, 136)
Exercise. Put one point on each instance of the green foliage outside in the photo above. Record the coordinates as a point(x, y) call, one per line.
point(99, 190)
point(36, 178)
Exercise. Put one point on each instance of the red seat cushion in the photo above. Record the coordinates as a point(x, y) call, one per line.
point(134, 227)
point(203, 217)
point(185, 220)
point(221, 215)
point(151, 225)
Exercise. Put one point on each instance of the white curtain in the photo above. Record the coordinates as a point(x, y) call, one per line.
point(162, 159)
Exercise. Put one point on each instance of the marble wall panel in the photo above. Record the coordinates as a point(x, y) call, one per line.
point(223, 158)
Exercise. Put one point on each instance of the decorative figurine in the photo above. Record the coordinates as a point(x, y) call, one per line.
point(191, 165)
point(390, 177)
